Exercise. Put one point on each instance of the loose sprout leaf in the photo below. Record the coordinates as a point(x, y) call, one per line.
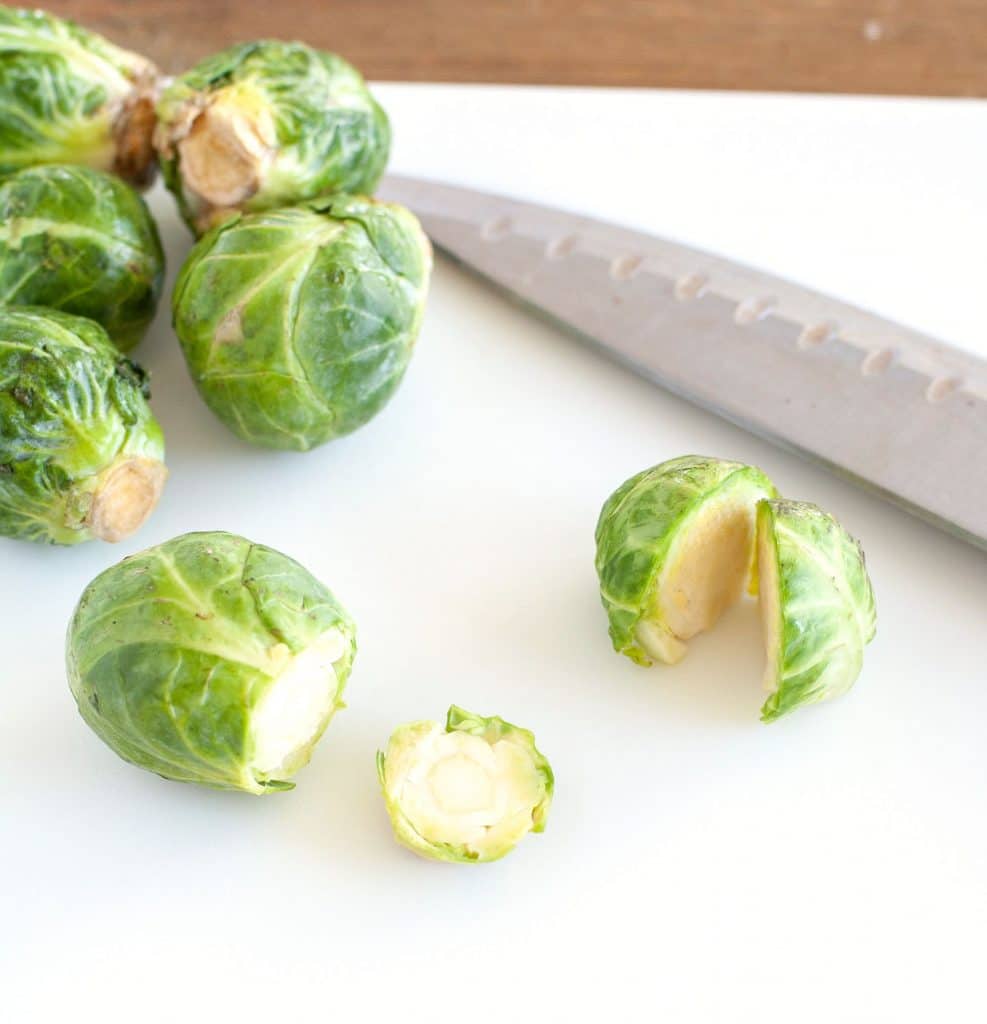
point(70, 96)
point(467, 793)
point(298, 324)
point(268, 124)
point(81, 241)
point(674, 549)
point(210, 659)
point(817, 605)
point(82, 450)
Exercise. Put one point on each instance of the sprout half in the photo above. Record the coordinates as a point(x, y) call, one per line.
point(467, 793)
point(817, 605)
point(298, 324)
point(210, 659)
point(675, 547)
point(81, 241)
point(81, 455)
point(268, 124)
point(70, 96)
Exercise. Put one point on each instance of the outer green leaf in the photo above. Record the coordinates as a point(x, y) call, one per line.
point(286, 122)
point(81, 241)
point(70, 96)
point(298, 324)
point(73, 417)
point(466, 794)
point(636, 535)
point(173, 653)
point(817, 603)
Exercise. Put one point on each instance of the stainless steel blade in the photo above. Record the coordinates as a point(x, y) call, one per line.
point(878, 402)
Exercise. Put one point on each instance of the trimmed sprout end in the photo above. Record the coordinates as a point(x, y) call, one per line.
point(134, 157)
point(467, 793)
point(125, 496)
point(226, 154)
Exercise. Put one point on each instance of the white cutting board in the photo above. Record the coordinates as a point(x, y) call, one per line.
point(698, 866)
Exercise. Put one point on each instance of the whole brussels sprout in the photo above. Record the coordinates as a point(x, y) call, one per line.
point(70, 96)
point(81, 241)
point(298, 324)
point(80, 452)
point(268, 124)
point(210, 659)
point(674, 548)
point(817, 605)
point(467, 793)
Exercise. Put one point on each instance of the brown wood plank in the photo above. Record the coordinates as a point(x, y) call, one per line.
point(918, 47)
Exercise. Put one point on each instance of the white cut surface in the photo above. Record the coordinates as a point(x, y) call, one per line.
point(295, 708)
point(769, 599)
point(659, 643)
point(705, 571)
point(458, 789)
point(228, 149)
point(125, 495)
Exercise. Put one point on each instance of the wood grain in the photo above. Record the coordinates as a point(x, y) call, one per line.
point(918, 47)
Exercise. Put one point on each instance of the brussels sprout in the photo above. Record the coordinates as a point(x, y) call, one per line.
point(210, 659)
point(674, 548)
point(80, 453)
point(70, 96)
point(817, 605)
point(78, 240)
point(467, 793)
point(268, 124)
point(675, 545)
point(298, 324)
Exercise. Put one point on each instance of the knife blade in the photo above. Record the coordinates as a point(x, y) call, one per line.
point(892, 409)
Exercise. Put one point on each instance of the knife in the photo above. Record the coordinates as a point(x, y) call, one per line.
point(890, 408)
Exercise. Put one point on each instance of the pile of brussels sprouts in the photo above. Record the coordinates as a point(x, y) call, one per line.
point(214, 660)
point(297, 310)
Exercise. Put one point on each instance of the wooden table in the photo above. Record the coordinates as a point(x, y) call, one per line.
point(931, 47)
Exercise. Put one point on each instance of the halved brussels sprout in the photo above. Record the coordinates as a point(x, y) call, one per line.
point(76, 239)
point(268, 124)
point(817, 605)
point(675, 545)
point(467, 793)
point(210, 659)
point(81, 455)
point(674, 548)
point(70, 96)
point(298, 324)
